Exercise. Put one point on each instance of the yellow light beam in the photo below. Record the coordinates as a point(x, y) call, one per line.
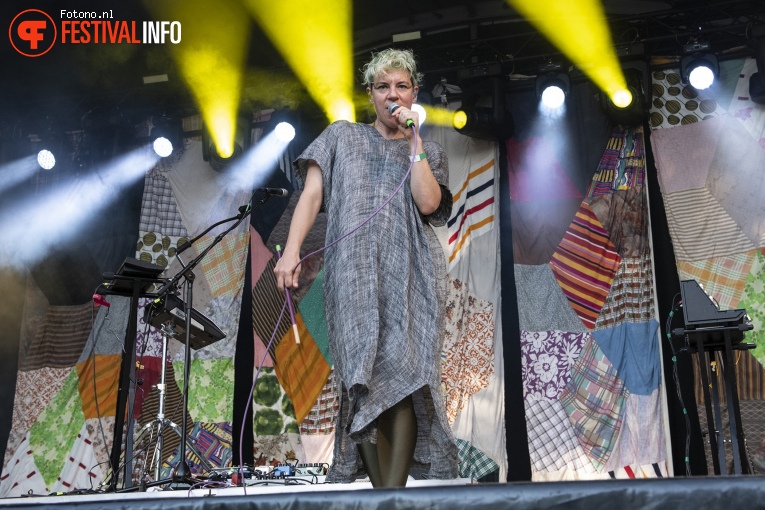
point(579, 30)
point(211, 59)
point(315, 39)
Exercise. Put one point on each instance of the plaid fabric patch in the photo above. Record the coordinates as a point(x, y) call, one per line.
point(585, 264)
point(594, 400)
point(473, 462)
point(224, 265)
point(159, 210)
point(553, 446)
point(321, 418)
point(630, 298)
point(724, 278)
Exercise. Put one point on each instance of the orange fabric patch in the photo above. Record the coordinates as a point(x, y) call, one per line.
point(107, 383)
point(300, 368)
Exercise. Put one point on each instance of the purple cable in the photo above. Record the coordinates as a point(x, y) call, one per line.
point(252, 390)
point(354, 229)
point(289, 302)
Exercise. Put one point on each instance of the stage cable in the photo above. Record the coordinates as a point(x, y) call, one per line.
point(102, 302)
point(676, 378)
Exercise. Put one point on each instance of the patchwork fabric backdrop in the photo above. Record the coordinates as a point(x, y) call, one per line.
point(63, 415)
point(591, 368)
point(710, 167)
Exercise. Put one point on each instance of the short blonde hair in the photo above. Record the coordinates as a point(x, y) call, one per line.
point(388, 60)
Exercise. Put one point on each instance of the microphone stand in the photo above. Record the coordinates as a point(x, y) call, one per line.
point(182, 471)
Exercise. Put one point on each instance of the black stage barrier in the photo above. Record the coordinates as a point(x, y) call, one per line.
point(729, 492)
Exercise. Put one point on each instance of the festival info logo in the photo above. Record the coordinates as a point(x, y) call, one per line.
point(32, 33)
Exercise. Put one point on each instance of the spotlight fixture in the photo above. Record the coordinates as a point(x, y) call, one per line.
point(210, 152)
point(166, 135)
point(285, 123)
point(285, 132)
point(552, 85)
point(757, 80)
point(629, 106)
point(46, 159)
point(481, 121)
point(219, 163)
point(699, 66)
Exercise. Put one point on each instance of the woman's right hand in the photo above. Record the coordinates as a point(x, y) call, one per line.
point(285, 277)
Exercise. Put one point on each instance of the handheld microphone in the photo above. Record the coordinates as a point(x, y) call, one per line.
point(393, 107)
point(277, 192)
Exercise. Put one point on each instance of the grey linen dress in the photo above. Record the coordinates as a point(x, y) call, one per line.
point(384, 292)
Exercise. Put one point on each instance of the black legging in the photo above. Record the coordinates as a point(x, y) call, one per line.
point(388, 462)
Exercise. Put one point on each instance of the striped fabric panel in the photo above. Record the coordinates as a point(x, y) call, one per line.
point(224, 265)
point(594, 401)
point(750, 379)
point(267, 303)
point(585, 264)
point(723, 278)
point(213, 441)
point(107, 374)
point(622, 165)
point(604, 176)
point(473, 210)
point(700, 228)
point(60, 340)
point(655, 470)
point(301, 369)
point(173, 411)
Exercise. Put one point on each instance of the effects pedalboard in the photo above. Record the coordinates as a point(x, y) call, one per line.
point(279, 472)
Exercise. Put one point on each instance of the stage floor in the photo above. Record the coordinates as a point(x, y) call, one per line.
point(667, 493)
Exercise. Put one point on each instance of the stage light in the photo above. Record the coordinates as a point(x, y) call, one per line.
point(166, 134)
point(459, 120)
point(552, 86)
point(622, 98)
point(629, 106)
point(699, 67)
point(213, 66)
point(219, 162)
point(221, 157)
point(284, 131)
point(420, 112)
point(46, 159)
point(580, 31)
point(163, 147)
point(315, 38)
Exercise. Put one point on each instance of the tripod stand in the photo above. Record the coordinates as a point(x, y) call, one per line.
point(161, 422)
